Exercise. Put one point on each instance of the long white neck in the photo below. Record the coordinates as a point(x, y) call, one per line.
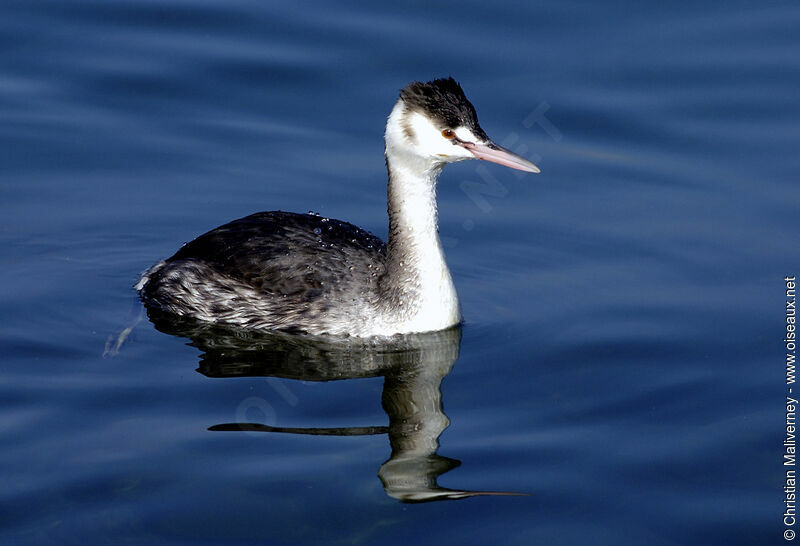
point(418, 285)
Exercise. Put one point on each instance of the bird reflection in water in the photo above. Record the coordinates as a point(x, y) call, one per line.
point(412, 366)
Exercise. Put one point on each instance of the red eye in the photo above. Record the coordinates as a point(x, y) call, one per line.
point(448, 133)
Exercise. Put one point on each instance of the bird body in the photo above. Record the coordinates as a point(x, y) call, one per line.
point(306, 273)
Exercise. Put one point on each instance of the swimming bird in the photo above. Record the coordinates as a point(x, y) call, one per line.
point(306, 273)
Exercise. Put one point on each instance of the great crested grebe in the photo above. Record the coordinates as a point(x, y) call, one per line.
point(302, 272)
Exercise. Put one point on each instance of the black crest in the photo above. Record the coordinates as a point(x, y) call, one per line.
point(444, 101)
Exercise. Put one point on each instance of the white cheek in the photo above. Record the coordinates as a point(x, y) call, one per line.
point(426, 134)
point(431, 142)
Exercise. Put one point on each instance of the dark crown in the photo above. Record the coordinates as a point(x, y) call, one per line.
point(444, 101)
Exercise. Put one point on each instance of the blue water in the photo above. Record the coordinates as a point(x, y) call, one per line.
point(621, 360)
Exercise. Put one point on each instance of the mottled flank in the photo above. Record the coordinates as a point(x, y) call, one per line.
point(444, 101)
point(274, 270)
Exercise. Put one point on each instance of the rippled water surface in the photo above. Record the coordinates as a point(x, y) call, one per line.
point(621, 360)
